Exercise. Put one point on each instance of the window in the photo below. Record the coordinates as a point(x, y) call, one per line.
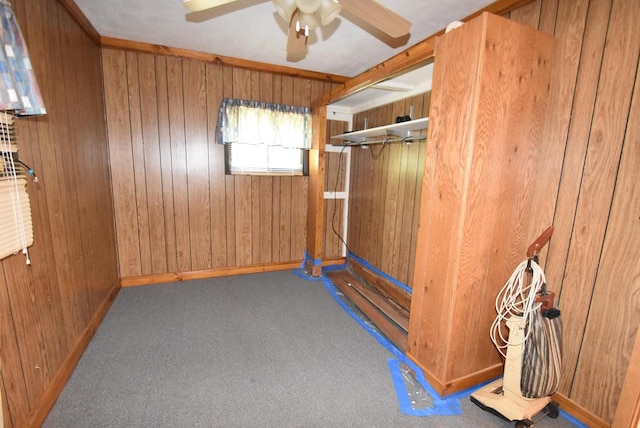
point(263, 138)
point(260, 159)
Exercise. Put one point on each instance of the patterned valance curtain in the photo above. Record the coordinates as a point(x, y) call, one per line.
point(19, 91)
point(253, 122)
point(19, 96)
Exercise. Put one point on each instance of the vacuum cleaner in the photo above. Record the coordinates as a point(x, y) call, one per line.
point(528, 334)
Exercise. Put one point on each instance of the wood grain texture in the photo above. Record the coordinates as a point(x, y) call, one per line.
point(174, 171)
point(628, 409)
point(47, 306)
point(488, 104)
point(383, 200)
point(138, 156)
point(616, 292)
point(118, 126)
point(416, 54)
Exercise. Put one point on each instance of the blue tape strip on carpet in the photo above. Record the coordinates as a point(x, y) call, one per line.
point(441, 406)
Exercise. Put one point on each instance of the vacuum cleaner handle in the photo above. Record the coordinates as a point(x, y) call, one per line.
point(540, 242)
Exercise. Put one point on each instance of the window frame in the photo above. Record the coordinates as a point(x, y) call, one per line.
point(265, 172)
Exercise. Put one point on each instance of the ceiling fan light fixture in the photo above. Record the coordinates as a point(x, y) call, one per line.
point(329, 10)
point(308, 6)
point(285, 8)
point(307, 20)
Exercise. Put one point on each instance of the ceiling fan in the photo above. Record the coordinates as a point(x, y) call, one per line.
point(305, 15)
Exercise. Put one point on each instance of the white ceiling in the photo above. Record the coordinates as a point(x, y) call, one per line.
point(252, 30)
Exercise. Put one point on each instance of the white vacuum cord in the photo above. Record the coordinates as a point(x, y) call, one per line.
point(517, 299)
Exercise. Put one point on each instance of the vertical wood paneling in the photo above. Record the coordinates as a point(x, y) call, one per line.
point(179, 163)
point(138, 154)
point(385, 193)
point(276, 183)
point(43, 265)
point(266, 186)
point(299, 185)
point(118, 126)
point(46, 306)
point(197, 152)
point(287, 198)
point(28, 328)
point(610, 115)
point(216, 170)
point(166, 163)
point(242, 189)
point(12, 371)
point(615, 308)
point(152, 161)
point(173, 166)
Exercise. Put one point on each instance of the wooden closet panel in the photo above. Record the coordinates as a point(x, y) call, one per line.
point(442, 187)
point(502, 187)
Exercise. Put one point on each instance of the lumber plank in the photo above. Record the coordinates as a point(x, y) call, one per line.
point(387, 327)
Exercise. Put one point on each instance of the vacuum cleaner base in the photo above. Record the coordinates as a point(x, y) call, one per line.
point(493, 398)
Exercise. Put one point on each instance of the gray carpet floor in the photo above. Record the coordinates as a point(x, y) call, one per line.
point(263, 350)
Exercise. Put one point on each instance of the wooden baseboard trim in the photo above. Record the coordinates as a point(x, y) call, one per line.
point(579, 412)
point(50, 395)
point(134, 281)
point(461, 383)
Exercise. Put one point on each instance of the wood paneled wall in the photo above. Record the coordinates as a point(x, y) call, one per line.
point(175, 209)
point(593, 258)
point(385, 193)
point(47, 308)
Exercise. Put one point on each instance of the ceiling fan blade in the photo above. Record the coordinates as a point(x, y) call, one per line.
point(296, 42)
point(379, 16)
point(198, 5)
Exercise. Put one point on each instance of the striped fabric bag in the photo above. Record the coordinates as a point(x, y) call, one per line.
point(542, 355)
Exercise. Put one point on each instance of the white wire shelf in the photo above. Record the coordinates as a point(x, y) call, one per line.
point(395, 132)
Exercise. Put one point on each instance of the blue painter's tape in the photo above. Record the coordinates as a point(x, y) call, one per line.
point(448, 406)
point(331, 288)
point(303, 274)
point(573, 420)
point(440, 407)
point(363, 262)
